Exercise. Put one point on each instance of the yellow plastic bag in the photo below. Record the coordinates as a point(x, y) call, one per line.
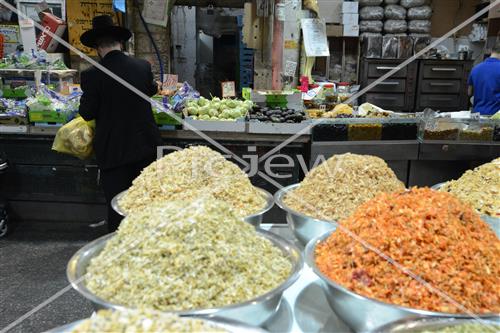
point(75, 138)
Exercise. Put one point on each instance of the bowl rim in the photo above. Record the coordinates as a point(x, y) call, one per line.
point(220, 322)
point(280, 195)
point(309, 258)
point(291, 250)
point(265, 194)
point(425, 321)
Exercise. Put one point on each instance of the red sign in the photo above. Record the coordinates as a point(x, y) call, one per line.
point(51, 24)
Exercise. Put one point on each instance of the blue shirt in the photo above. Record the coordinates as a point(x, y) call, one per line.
point(485, 79)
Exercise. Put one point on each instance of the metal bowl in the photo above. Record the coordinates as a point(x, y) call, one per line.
point(253, 312)
point(231, 326)
point(362, 313)
point(304, 227)
point(494, 222)
point(417, 325)
point(254, 219)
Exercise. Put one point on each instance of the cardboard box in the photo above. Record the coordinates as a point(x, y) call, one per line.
point(350, 19)
point(334, 30)
point(53, 24)
point(351, 7)
point(330, 10)
point(351, 30)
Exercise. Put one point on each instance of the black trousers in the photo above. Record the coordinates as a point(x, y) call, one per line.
point(117, 180)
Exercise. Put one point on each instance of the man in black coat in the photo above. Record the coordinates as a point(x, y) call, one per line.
point(126, 134)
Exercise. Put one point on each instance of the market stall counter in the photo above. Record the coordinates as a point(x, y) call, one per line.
point(43, 185)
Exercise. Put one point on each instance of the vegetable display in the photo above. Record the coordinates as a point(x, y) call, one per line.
point(190, 173)
point(434, 235)
point(334, 189)
point(143, 321)
point(217, 109)
point(479, 187)
point(33, 60)
point(276, 115)
point(195, 255)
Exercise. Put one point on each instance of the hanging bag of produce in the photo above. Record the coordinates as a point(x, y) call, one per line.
point(75, 138)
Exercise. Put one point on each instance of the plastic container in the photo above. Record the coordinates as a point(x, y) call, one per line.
point(480, 131)
point(440, 129)
point(343, 91)
point(400, 129)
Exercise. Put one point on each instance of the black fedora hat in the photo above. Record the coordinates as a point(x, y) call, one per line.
point(102, 26)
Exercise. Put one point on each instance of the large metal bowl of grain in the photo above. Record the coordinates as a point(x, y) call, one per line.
point(304, 227)
point(252, 312)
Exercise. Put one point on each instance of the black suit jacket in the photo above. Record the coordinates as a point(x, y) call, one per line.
point(125, 128)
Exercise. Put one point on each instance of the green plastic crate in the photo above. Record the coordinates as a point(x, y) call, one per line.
point(48, 117)
point(163, 118)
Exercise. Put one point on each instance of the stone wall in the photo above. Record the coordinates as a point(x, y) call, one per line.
point(143, 46)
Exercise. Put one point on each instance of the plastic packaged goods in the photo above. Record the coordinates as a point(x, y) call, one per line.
point(420, 13)
point(405, 47)
point(479, 187)
point(75, 138)
point(372, 46)
point(364, 3)
point(435, 235)
point(365, 35)
point(189, 173)
point(395, 26)
point(420, 42)
point(371, 13)
point(395, 12)
point(390, 47)
point(371, 26)
point(192, 255)
point(144, 321)
point(419, 26)
point(413, 3)
point(334, 189)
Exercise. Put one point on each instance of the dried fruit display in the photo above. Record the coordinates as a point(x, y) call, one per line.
point(334, 189)
point(479, 187)
point(196, 256)
point(432, 234)
point(189, 174)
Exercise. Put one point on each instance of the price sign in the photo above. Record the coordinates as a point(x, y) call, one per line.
point(315, 41)
point(228, 89)
point(170, 82)
point(290, 68)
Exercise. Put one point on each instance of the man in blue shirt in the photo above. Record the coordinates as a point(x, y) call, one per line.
point(484, 83)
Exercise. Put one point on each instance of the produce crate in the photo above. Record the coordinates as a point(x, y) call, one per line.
point(17, 93)
point(48, 117)
point(163, 118)
point(13, 120)
point(216, 126)
point(278, 99)
point(279, 128)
